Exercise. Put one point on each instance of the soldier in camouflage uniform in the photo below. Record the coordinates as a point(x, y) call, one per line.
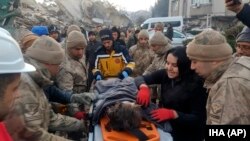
point(160, 45)
point(159, 27)
point(72, 76)
point(46, 55)
point(141, 54)
point(227, 78)
point(70, 28)
point(12, 65)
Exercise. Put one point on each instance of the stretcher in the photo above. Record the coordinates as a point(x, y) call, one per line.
point(97, 135)
point(99, 132)
point(110, 92)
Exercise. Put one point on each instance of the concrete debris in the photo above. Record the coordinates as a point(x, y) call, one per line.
point(85, 13)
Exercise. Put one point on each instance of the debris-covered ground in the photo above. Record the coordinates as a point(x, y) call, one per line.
point(16, 14)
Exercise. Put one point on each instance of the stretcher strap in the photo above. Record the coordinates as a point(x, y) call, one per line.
point(139, 134)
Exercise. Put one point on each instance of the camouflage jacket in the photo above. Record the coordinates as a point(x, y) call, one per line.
point(142, 56)
point(63, 43)
point(36, 110)
point(72, 76)
point(229, 88)
point(159, 60)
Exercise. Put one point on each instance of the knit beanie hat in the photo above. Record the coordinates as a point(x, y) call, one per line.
point(105, 34)
point(143, 33)
point(209, 45)
point(72, 28)
point(76, 38)
point(46, 50)
point(40, 30)
point(159, 25)
point(244, 35)
point(159, 39)
point(28, 37)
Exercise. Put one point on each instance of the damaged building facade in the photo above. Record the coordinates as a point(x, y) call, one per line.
point(203, 13)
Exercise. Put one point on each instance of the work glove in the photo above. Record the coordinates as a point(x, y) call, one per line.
point(80, 115)
point(162, 114)
point(143, 96)
point(123, 75)
point(98, 77)
point(72, 108)
point(85, 98)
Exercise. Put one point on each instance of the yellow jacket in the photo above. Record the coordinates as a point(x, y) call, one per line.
point(111, 65)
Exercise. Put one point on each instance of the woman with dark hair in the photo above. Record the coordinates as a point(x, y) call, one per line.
point(183, 97)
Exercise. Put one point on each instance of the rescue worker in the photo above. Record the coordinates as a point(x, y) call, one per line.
point(46, 55)
point(69, 29)
point(141, 53)
point(160, 27)
point(11, 67)
point(72, 76)
point(227, 78)
point(160, 45)
point(111, 60)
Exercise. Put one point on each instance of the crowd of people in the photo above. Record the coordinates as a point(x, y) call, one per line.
point(48, 84)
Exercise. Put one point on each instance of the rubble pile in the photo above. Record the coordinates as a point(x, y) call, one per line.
point(85, 13)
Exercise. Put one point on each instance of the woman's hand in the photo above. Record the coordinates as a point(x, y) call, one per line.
point(163, 114)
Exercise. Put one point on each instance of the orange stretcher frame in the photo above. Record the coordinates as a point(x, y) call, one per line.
point(147, 128)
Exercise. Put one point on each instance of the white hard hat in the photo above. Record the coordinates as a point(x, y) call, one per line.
point(11, 58)
point(2, 30)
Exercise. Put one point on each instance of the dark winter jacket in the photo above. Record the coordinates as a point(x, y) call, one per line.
point(120, 42)
point(90, 60)
point(90, 53)
point(170, 33)
point(188, 97)
point(55, 94)
point(243, 15)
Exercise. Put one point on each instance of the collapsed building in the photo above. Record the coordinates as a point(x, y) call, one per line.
point(17, 15)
